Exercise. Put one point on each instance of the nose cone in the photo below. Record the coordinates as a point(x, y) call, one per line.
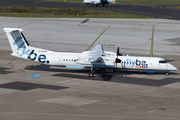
point(172, 68)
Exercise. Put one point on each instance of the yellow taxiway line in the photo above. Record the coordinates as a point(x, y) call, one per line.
point(97, 39)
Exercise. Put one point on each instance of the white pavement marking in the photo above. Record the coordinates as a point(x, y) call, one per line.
point(70, 101)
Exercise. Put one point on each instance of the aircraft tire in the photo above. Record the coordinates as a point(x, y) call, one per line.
point(91, 74)
point(167, 73)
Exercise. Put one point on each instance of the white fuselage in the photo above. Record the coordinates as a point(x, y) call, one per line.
point(99, 1)
point(81, 60)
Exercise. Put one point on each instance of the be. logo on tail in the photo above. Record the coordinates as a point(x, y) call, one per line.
point(32, 55)
point(41, 58)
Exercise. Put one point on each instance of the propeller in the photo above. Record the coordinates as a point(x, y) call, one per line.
point(118, 54)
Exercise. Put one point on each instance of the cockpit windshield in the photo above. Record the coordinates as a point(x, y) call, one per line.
point(162, 61)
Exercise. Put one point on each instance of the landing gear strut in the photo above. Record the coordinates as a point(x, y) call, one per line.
point(91, 74)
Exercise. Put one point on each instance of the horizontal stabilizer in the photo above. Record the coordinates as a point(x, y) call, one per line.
point(9, 30)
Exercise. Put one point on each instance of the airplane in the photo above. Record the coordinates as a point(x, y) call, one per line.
point(97, 58)
point(99, 2)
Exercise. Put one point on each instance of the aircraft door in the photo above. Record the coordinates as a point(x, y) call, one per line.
point(60, 61)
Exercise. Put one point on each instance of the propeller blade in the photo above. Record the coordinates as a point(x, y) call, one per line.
point(118, 54)
point(117, 60)
point(117, 51)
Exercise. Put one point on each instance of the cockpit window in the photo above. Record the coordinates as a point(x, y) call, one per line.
point(162, 61)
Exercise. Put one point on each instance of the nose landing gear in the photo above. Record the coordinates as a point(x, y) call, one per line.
point(167, 73)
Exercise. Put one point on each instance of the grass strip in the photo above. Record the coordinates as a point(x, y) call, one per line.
point(127, 1)
point(25, 11)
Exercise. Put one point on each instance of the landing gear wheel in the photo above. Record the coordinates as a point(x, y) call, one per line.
point(167, 73)
point(91, 74)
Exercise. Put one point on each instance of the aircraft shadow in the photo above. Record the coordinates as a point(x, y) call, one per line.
point(29, 86)
point(101, 75)
point(124, 79)
point(47, 68)
point(3, 70)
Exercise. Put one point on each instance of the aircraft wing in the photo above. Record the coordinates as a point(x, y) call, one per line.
point(91, 56)
point(96, 53)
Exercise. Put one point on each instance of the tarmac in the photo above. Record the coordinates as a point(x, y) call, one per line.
point(29, 90)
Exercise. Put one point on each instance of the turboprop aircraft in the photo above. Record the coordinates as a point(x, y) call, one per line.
point(99, 2)
point(97, 58)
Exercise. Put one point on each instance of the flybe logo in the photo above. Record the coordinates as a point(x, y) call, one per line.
point(137, 63)
point(21, 45)
point(32, 55)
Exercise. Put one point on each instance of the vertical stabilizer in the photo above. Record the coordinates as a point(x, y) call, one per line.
point(18, 43)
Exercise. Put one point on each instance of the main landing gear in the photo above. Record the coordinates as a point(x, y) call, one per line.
point(91, 74)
